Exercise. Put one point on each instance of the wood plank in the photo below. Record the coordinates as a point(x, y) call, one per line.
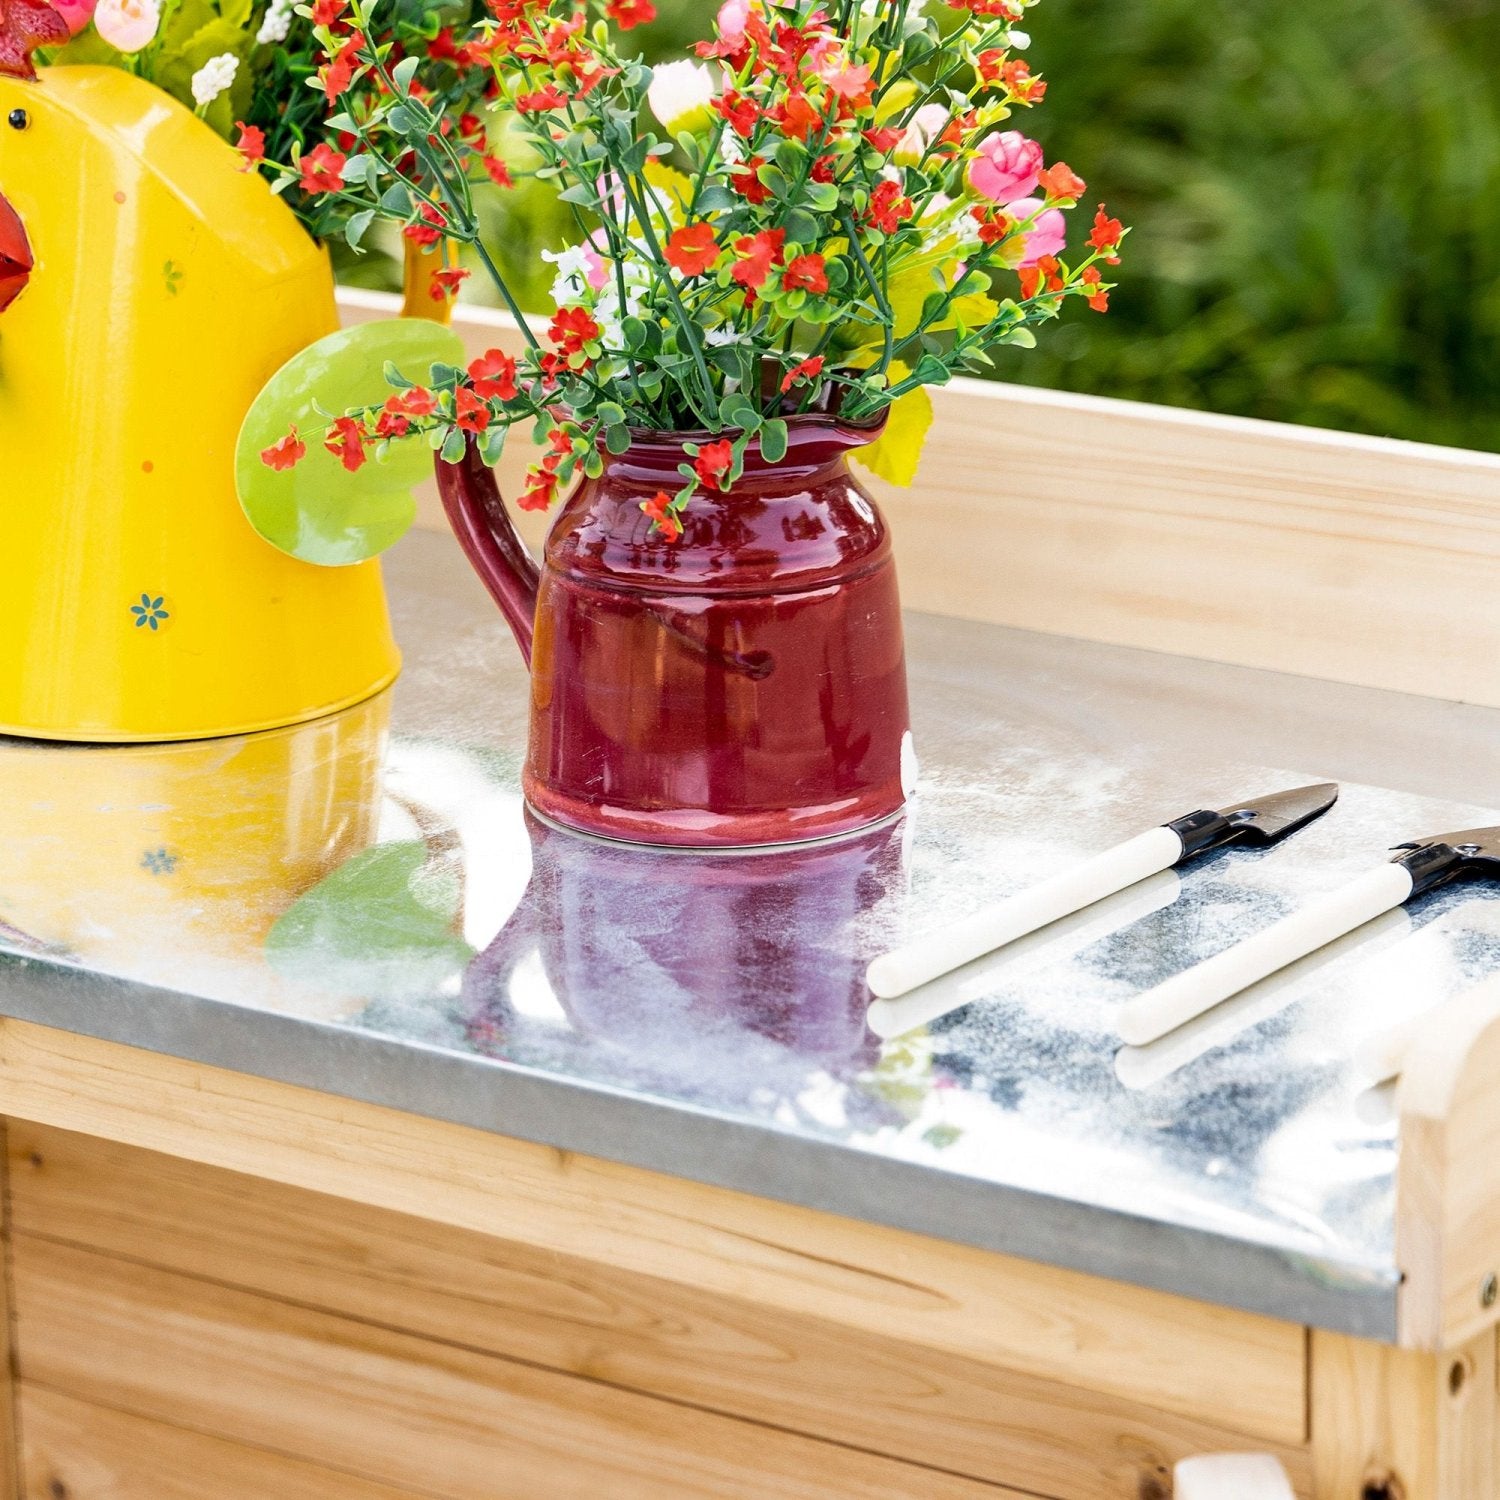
point(1256, 543)
point(10, 1450)
point(77, 1451)
point(1402, 1423)
point(624, 1329)
point(404, 1411)
point(1240, 1371)
point(1447, 1196)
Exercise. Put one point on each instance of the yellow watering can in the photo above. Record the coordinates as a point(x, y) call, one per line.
point(148, 290)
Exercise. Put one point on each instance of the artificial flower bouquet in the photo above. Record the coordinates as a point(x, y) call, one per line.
point(827, 210)
point(253, 70)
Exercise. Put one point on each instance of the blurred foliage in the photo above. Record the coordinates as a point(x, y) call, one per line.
point(1315, 195)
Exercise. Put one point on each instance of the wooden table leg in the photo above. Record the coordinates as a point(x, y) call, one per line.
point(1401, 1424)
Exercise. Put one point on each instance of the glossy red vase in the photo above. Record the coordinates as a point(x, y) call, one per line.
point(743, 685)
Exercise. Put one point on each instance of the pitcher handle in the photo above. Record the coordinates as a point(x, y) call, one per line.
point(485, 531)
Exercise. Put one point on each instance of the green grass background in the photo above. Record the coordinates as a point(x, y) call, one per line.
point(1314, 187)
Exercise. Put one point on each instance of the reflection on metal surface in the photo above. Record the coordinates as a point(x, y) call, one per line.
point(171, 863)
point(704, 1015)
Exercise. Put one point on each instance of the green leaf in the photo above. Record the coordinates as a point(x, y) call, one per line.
point(774, 439)
point(404, 72)
point(823, 196)
point(383, 923)
point(617, 440)
point(492, 445)
point(358, 226)
point(318, 511)
point(455, 445)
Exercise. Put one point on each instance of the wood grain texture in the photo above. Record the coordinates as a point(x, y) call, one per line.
point(1447, 1196)
point(403, 1411)
point(10, 1449)
point(1240, 1371)
point(77, 1451)
point(1256, 543)
point(634, 1331)
point(1421, 1425)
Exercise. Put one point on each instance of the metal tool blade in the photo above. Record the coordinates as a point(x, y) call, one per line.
point(1473, 854)
point(1261, 821)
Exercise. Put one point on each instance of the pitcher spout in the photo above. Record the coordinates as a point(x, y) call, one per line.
point(491, 542)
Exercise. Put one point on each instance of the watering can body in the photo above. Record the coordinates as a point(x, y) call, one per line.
point(162, 288)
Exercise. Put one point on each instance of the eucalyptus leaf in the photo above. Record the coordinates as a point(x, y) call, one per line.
point(318, 511)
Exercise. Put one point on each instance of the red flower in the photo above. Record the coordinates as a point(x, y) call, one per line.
point(323, 170)
point(251, 144)
point(572, 328)
point(286, 454)
point(326, 12)
point(884, 140)
point(629, 13)
point(659, 510)
point(1061, 181)
point(494, 376)
point(416, 402)
point(470, 413)
point(889, 206)
point(809, 369)
point(795, 116)
point(540, 491)
point(1047, 266)
point(714, 461)
point(445, 283)
point(1107, 232)
point(993, 225)
point(745, 180)
point(497, 171)
point(1014, 73)
point(692, 250)
point(392, 422)
point(806, 273)
point(541, 100)
point(338, 73)
point(823, 169)
point(442, 48)
point(428, 229)
point(1098, 299)
point(471, 131)
point(758, 253)
point(346, 441)
point(740, 112)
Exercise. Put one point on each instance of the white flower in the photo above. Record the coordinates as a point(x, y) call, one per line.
point(216, 75)
point(680, 94)
point(1019, 39)
point(722, 338)
point(277, 23)
point(926, 126)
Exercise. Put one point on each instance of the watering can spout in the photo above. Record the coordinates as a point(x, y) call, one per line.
point(491, 542)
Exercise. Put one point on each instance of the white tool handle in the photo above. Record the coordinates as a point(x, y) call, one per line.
point(949, 948)
point(1232, 1476)
point(1199, 989)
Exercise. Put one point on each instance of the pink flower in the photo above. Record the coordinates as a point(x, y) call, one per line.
point(127, 25)
point(76, 13)
point(1006, 168)
point(1046, 236)
point(734, 17)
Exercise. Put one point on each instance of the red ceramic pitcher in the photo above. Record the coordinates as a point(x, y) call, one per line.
point(743, 685)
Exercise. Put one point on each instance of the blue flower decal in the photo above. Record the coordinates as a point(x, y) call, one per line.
point(149, 612)
point(159, 861)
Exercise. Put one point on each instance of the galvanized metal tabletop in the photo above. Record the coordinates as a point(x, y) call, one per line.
point(361, 905)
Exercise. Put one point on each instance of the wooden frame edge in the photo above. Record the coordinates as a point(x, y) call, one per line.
point(1326, 554)
point(1447, 1204)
